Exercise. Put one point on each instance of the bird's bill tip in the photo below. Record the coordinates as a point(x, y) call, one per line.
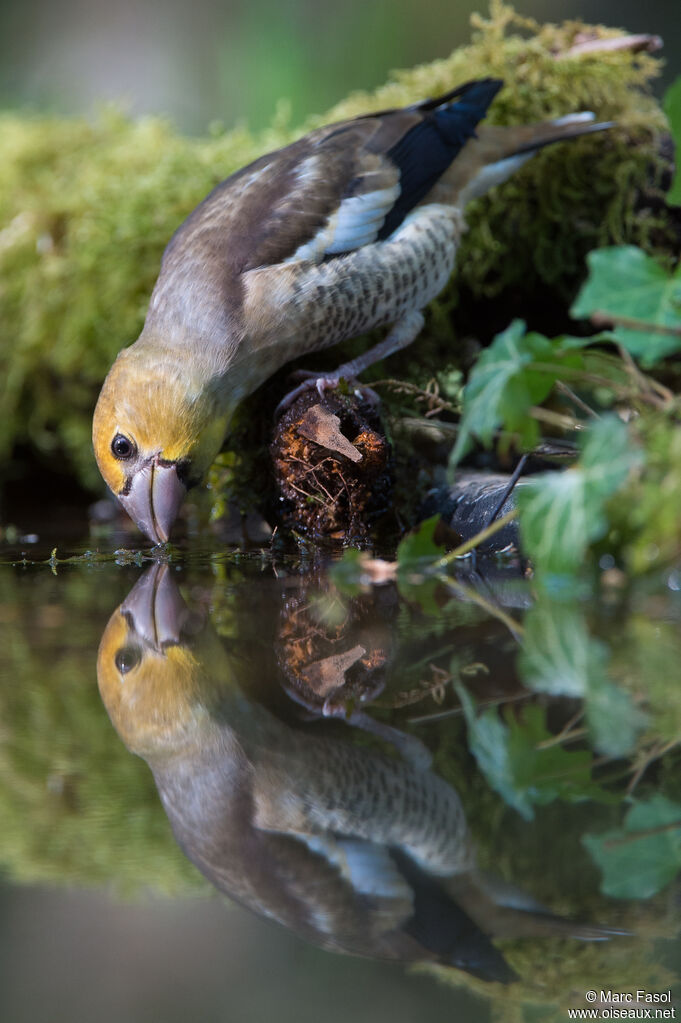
point(155, 608)
point(154, 499)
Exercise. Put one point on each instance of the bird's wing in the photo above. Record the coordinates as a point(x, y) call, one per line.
point(335, 190)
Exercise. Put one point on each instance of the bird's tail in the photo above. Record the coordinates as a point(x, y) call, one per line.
point(504, 911)
point(498, 152)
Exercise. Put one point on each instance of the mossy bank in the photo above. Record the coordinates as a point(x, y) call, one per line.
point(86, 208)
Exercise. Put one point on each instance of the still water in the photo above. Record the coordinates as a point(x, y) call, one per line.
point(245, 786)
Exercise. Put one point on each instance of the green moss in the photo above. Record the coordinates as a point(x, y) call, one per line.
point(75, 806)
point(86, 209)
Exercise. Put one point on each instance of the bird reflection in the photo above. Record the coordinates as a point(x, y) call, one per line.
point(354, 849)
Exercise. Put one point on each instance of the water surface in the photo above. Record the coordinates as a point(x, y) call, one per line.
point(238, 786)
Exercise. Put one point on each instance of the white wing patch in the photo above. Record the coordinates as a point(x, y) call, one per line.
point(367, 866)
point(356, 222)
point(496, 173)
point(490, 175)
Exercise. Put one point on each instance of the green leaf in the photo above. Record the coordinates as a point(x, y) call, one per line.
point(549, 772)
point(488, 742)
point(560, 657)
point(519, 768)
point(418, 548)
point(561, 513)
point(644, 855)
point(415, 554)
point(614, 720)
point(672, 108)
point(505, 383)
point(625, 282)
point(347, 572)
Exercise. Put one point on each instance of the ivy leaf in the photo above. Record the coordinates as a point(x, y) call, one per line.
point(347, 572)
point(644, 855)
point(560, 657)
point(505, 383)
point(523, 773)
point(419, 547)
point(613, 718)
point(415, 554)
point(562, 512)
point(626, 282)
point(672, 108)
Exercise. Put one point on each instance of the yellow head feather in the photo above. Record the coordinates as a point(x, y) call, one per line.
point(163, 406)
point(155, 702)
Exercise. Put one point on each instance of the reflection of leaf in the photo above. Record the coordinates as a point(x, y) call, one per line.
point(419, 548)
point(672, 108)
point(628, 283)
point(518, 768)
point(614, 720)
point(347, 573)
point(562, 512)
point(640, 858)
point(559, 656)
point(505, 384)
point(415, 554)
point(488, 742)
point(646, 654)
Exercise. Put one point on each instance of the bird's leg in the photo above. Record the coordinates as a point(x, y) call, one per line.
point(410, 747)
point(400, 336)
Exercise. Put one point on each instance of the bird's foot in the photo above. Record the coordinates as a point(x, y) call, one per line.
point(313, 381)
point(401, 334)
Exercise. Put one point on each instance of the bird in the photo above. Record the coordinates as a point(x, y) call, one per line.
point(353, 849)
point(352, 227)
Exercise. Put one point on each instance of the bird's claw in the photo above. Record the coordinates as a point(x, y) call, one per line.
point(322, 384)
point(314, 381)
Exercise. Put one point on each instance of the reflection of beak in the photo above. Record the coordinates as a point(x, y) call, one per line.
point(156, 608)
point(154, 499)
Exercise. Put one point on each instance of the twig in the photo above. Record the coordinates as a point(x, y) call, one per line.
point(566, 734)
point(514, 627)
point(509, 489)
point(645, 383)
point(451, 712)
point(545, 415)
point(634, 836)
point(433, 398)
point(651, 757)
point(601, 318)
point(569, 393)
point(474, 541)
point(571, 372)
point(633, 43)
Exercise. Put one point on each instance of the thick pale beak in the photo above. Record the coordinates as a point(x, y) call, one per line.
point(155, 608)
point(154, 499)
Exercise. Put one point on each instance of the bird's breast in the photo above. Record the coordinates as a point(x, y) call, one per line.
point(295, 308)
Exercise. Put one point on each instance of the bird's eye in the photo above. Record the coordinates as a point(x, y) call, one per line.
point(122, 447)
point(127, 658)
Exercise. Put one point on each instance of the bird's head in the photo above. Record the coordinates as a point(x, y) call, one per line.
point(157, 427)
point(157, 666)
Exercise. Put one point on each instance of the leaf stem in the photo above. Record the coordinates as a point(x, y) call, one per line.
point(601, 318)
point(474, 541)
point(634, 836)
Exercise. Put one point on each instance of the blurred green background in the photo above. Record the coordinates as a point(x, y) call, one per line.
point(233, 60)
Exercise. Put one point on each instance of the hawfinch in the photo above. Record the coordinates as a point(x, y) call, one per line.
point(354, 226)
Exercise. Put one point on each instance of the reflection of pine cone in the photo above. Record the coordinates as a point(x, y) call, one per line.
point(329, 667)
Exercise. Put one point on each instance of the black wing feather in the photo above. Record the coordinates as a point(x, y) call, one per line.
point(425, 152)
